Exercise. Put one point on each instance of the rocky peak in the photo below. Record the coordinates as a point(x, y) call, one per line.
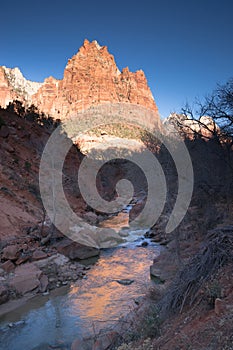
point(91, 57)
point(91, 77)
point(87, 45)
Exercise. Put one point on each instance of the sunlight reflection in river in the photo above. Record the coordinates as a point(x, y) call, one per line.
point(89, 305)
point(100, 296)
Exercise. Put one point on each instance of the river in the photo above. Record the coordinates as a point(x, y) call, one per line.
point(87, 306)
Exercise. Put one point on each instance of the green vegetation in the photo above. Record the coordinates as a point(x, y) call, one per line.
point(150, 326)
point(34, 189)
point(126, 131)
point(27, 165)
point(2, 122)
point(118, 130)
point(16, 160)
point(213, 291)
point(32, 114)
point(142, 330)
point(145, 345)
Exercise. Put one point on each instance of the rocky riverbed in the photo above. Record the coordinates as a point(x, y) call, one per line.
point(25, 268)
point(96, 301)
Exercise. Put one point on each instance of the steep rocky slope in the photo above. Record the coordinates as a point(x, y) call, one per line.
point(21, 145)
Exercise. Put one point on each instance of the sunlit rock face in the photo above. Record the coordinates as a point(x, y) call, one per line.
point(190, 128)
point(91, 77)
point(6, 92)
point(13, 85)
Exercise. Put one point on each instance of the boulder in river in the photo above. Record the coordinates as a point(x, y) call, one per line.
point(74, 250)
point(44, 281)
point(4, 294)
point(26, 278)
point(125, 282)
point(157, 273)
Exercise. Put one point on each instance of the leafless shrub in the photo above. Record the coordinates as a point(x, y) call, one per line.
point(217, 251)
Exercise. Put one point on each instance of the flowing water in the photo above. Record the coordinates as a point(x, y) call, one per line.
point(88, 305)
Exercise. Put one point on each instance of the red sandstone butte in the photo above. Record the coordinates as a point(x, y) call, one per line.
point(91, 77)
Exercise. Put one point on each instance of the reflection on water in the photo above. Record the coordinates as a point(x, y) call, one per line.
point(116, 222)
point(101, 294)
point(89, 305)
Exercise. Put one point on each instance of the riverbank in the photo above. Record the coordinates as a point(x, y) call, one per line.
point(113, 286)
point(34, 264)
point(34, 269)
point(92, 295)
point(193, 309)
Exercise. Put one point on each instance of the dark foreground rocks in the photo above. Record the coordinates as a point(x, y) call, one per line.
point(25, 270)
point(76, 251)
point(103, 342)
point(25, 278)
point(4, 294)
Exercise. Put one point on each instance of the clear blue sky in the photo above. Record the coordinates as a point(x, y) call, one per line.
point(184, 47)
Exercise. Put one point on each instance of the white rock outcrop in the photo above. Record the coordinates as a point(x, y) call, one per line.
point(20, 84)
